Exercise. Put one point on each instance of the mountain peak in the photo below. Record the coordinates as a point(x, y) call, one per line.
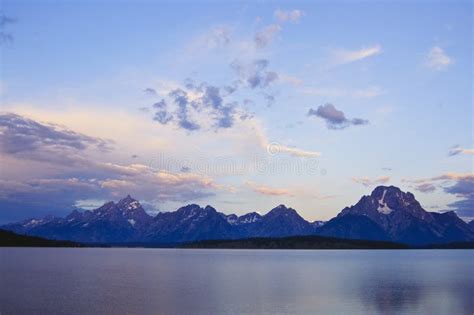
point(281, 210)
point(126, 200)
point(389, 198)
point(128, 204)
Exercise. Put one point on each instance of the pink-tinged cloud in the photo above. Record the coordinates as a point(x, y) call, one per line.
point(366, 181)
point(270, 191)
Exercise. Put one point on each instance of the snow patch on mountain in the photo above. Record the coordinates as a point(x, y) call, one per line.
point(383, 208)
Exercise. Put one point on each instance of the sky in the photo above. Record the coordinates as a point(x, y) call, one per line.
point(239, 105)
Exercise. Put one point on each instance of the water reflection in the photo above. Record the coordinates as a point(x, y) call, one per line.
point(150, 281)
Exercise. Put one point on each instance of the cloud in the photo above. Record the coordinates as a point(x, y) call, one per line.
point(185, 169)
point(459, 184)
point(437, 59)
point(208, 101)
point(456, 150)
point(255, 73)
point(108, 181)
point(291, 15)
point(335, 119)
point(197, 106)
point(366, 181)
point(50, 167)
point(450, 176)
point(22, 136)
point(454, 176)
point(60, 194)
point(464, 189)
point(348, 56)
point(425, 187)
point(181, 100)
point(270, 191)
point(161, 114)
point(274, 148)
point(150, 91)
point(5, 20)
point(153, 184)
point(297, 152)
point(216, 37)
point(264, 37)
point(290, 79)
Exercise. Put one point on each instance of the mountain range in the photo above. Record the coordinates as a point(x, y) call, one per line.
point(387, 214)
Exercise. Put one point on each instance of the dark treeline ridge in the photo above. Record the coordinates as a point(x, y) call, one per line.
point(296, 242)
point(10, 239)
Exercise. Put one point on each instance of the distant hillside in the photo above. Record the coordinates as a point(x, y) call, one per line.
point(296, 242)
point(10, 239)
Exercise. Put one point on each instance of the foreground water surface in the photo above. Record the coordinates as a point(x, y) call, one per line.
point(194, 281)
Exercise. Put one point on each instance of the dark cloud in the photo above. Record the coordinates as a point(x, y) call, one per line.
point(457, 150)
point(464, 189)
point(270, 98)
point(22, 135)
point(255, 73)
point(150, 91)
point(39, 197)
point(464, 207)
point(185, 169)
point(144, 109)
point(5, 37)
point(69, 172)
point(161, 114)
point(196, 99)
point(335, 119)
point(223, 114)
point(425, 187)
point(180, 98)
point(210, 100)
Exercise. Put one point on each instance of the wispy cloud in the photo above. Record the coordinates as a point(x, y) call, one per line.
point(274, 148)
point(425, 187)
point(254, 74)
point(150, 91)
point(5, 36)
point(456, 150)
point(270, 191)
point(450, 176)
point(290, 15)
point(366, 181)
point(264, 37)
point(290, 79)
point(347, 56)
point(335, 119)
point(216, 37)
point(437, 59)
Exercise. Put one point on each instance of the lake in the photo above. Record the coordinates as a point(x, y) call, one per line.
point(197, 281)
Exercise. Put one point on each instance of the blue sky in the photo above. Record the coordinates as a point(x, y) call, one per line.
point(310, 104)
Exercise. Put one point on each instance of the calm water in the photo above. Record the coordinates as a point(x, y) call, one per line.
point(170, 281)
